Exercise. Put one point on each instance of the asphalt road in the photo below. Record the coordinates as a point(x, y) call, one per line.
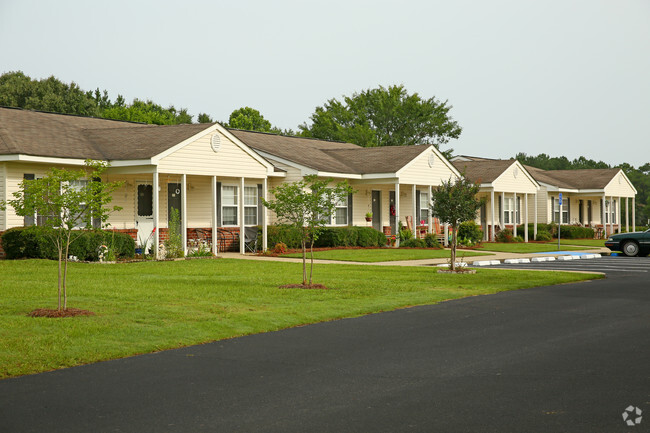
point(568, 358)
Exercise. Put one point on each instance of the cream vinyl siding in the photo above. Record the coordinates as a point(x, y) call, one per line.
point(14, 175)
point(510, 183)
point(419, 172)
point(125, 197)
point(3, 196)
point(619, 187)
point(198, 158)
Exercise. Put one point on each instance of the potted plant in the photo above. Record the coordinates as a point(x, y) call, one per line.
point(369, 216)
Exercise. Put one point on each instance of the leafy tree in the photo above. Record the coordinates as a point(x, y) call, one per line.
point(307, 205)
point(64, 201)
point(453, 203)
point(147, 112)
point(249, 119)
point(383, 117)
point(204, 118)
point(50, 94)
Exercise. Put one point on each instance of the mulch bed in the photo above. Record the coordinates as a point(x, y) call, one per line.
point(305, 286)
point(69, 312)
point(457, 271)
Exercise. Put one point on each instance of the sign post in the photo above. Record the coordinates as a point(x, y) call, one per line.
point(559, 223)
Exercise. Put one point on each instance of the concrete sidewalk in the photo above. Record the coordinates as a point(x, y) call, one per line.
point(490, 255)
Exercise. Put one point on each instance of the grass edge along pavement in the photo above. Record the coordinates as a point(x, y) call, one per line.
point(153, 306)
point(374, 255)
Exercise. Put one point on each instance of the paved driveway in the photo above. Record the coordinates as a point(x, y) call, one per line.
point(567, 358)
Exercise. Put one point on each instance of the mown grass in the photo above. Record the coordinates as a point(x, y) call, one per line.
point(594, 243)
point(372, 255)
point(152, 306)
point(527, 248)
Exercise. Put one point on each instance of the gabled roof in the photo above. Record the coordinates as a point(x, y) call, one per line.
point(592, 178)
point(483, 170)
point(34, 133)
point(331, 156)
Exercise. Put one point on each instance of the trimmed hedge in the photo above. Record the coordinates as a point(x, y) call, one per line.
point(348, 236)
point(34, 243)
point(568, 231)
point(470, 231)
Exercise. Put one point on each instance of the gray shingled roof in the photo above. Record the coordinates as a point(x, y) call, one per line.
point(64, 136)
point(593, 178)
point(483, 170)
point(331, 156)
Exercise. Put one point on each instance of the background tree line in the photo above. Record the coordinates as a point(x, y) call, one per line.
point(374, 117)
point(640, 177)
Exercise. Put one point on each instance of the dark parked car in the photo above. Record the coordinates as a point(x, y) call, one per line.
point(631, 244)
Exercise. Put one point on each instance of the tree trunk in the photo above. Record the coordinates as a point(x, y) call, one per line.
point(65, 274)
point(453, 247)
point(60, 275)
point(304, 261)
point(311, 267)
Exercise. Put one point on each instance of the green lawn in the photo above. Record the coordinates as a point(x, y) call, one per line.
point(151, 306)
point(594, 243)
point(525, 248)
point(371, 255)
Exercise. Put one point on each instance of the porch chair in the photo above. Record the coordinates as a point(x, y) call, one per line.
point(250, 239)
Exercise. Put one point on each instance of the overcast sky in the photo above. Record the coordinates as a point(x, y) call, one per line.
point(561, 77)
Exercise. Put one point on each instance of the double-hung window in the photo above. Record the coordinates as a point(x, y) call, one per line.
point(610, 211)
point(507, 211)
point(556, 210)
point(424, 207)
point(250, 205)
point(229, 203)
point(78, 185)
point(341, 212)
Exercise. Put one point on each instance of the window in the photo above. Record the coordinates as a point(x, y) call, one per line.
point(610, 211)
point(555, 203)
point(341, 212)
point(507, 211)
point(424, 207)
point(78, 185)
point(229, 205)
point(250, 205)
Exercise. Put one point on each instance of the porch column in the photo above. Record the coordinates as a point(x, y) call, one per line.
point(446, 242)
point(618, 215)
point(214, 215)
point(242, 246)
point(430, 222)
point(602, 214)
point(627, 214)
point(526, 217)
point(610, 216)
point(397, 213)
point(156, 213)
point(265, 216)
point(503, 212)
point(515, 220)
point(184, 213)
point(492, 216)
point(415, 222)
point(535, 218)
point(633, 214)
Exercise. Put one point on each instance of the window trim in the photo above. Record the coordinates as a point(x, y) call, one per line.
point(248, 206)
point(236, 205)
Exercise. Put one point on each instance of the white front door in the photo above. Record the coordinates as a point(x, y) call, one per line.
point(144, 214)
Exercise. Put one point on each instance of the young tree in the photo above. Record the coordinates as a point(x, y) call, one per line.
point(66, 200)
point(384, 117)
point(453, 203)
point(307, 205)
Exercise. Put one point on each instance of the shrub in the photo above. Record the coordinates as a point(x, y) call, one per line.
point(576, 232)
point(470, 231)
point(288, 235)
point(174, 243)
point(518, 239)
point(543, 236)
point(280, 248)
point(413, 243)
point(34, 243)
point(348, 236)
point(505, 236)
point(431, 240)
